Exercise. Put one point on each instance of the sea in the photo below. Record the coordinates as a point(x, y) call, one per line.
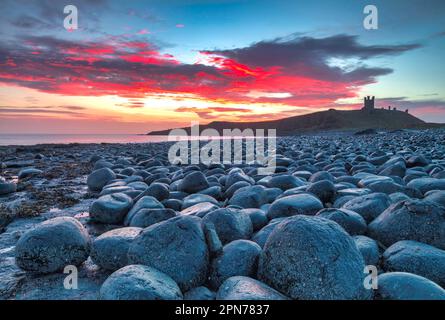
point(33, 139)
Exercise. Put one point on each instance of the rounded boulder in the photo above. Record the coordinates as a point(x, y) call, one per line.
point(298, 204)
point(312, 258)
point(111, 208)
point(176, 247)
point(407, 286)
point(230, 224)
point(52, 245)
point(417, 220)
point(139, 282)
point(110, 249)
point(238, 258)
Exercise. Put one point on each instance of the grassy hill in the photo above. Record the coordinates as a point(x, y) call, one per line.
point(330, 120)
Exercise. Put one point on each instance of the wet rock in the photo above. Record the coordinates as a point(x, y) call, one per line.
point(285, 182)
point(157, 190)
point(369, 206)
point(340, 201)
point(213, 242)
point(176, 247)
point(138, 282)
point(29, 172)
point(249, 197)
point(52, 245)
point(324, 190)
point(352, 222)
point(230, 224)
point(258, 218)
point(110, 249)
point(245, 288)
point(397, 169)
point(194, 199)
point(100, 164)
point(146, 217)
point(294, 205)
point(368, 248)
point(99, 178)
point(234, 187)
point(437, 196)
point(193, 182)
point(427, 184)
point(321, 175)
point(146, 202)
point(7, 188)
point(418, 258)
point(272, 194)
point(238, 258)
point(200, 209)
point(417, 220)
point(336, 265)
point(111, 208)
point(397, 197)
point(199, 293)
point(214, 192)
point(173, 204)
point(371, 179)
point(417, 161)
point(263, 234)
point(407, 286)
point(237, 175)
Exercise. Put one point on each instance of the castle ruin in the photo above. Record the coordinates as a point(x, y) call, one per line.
point(368, 103)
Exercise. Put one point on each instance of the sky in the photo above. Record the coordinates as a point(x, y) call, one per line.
point(137, 66)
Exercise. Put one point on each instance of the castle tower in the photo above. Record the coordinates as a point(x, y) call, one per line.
point(369, 103)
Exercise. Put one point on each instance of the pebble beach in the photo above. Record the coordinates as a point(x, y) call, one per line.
point(136, 227)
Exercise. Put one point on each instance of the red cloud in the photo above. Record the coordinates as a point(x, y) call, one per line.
point(296, 70)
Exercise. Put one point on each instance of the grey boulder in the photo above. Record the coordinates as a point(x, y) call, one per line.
point(323, 189)
point(138, 282)
point(28, 173)
point(176, 247)
point(418, 258)
point(238, 258)
point(111, 208)
point(427, 184)
point(52, 245)
point(199, 293)
point(245, 288)
point(418, 220)
point(312, 258)
point(296, 204)
point(368, 248)
point(369, 206)
point(146, 202)
point(110, 249)
point(351, 221)
point(146, 217)
point(193, 182)
point(99, 178)
point(230, 224)
point(407, 286)
point(7, 187)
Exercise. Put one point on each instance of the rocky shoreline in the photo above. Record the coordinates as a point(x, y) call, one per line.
point(138, 227)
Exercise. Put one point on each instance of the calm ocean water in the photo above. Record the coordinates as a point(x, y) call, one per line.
point(32, 139)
